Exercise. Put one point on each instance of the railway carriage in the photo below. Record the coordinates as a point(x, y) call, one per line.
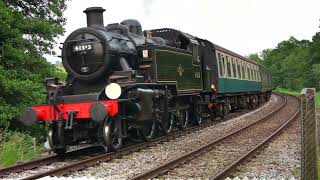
point(125, 83)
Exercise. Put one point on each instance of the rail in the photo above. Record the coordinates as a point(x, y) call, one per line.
point(184, 158)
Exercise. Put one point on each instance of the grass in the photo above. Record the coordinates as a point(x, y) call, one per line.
point(17, 146)
point(286, 91)
point(297, 93)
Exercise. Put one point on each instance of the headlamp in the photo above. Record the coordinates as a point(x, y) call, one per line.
point(113, 91)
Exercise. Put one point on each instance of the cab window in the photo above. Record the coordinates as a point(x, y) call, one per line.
point(196, 57)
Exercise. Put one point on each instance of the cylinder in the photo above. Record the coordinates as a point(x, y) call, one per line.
point(95, 17)
point(98, 112)
point(29, 117)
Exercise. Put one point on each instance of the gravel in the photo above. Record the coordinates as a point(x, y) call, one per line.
point(149, 158)
point(222, 155)
point(281, 159)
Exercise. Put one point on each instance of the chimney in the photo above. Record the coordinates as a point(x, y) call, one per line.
point(95, 17)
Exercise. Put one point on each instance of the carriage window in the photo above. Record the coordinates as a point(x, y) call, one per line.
point(228, 66)
point(248, 72)
point(253, 73)
point(234, 68)
point(243, 71)
point(239, 69)
point(251, 70)
point(220, 64)
point(224, 65)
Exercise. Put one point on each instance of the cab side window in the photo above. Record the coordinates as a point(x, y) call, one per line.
point(196, 57)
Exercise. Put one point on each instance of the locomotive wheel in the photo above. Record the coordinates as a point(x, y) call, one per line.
point(213, 115)
point(134, 134)
point(112, 135)
point(52, 141)
point(60, 151)
point(167, 124)
point(222, 110)
point(184, 119)
point(198, 113)
point(148, 130)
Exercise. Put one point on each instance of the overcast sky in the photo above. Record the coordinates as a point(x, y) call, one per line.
point(243, 26)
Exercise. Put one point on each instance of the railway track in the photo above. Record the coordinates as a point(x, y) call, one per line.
point(82, 164)
point(271, 127)
point(47, 160)
point(102, 157)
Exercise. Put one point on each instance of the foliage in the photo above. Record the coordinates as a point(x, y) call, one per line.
point(17, 146)
point(256, 57)
point(294, 64)
point(27, 32)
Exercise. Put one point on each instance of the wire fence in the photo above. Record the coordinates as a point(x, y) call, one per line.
point(308, 135)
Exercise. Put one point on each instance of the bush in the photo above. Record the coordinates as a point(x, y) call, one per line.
point(17, 146)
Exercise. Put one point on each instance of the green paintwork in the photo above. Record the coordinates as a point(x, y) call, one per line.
point(170, 63)
point(266, 79)
point(234, 85)
point(208, 76)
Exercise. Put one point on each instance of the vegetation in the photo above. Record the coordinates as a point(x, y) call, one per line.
point(28, 29)
point(297, 93)
point(286, 91)
point(294, 64)
point(27, 32)
point(17, 146)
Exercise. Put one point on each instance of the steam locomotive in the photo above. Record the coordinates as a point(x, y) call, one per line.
point(125, 83)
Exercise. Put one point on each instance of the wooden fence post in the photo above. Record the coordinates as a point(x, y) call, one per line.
point(308, 135)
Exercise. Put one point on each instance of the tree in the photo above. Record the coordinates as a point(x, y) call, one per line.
point(256, 57)
point(314, 62)
point(289, 63)
point(27, 31)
